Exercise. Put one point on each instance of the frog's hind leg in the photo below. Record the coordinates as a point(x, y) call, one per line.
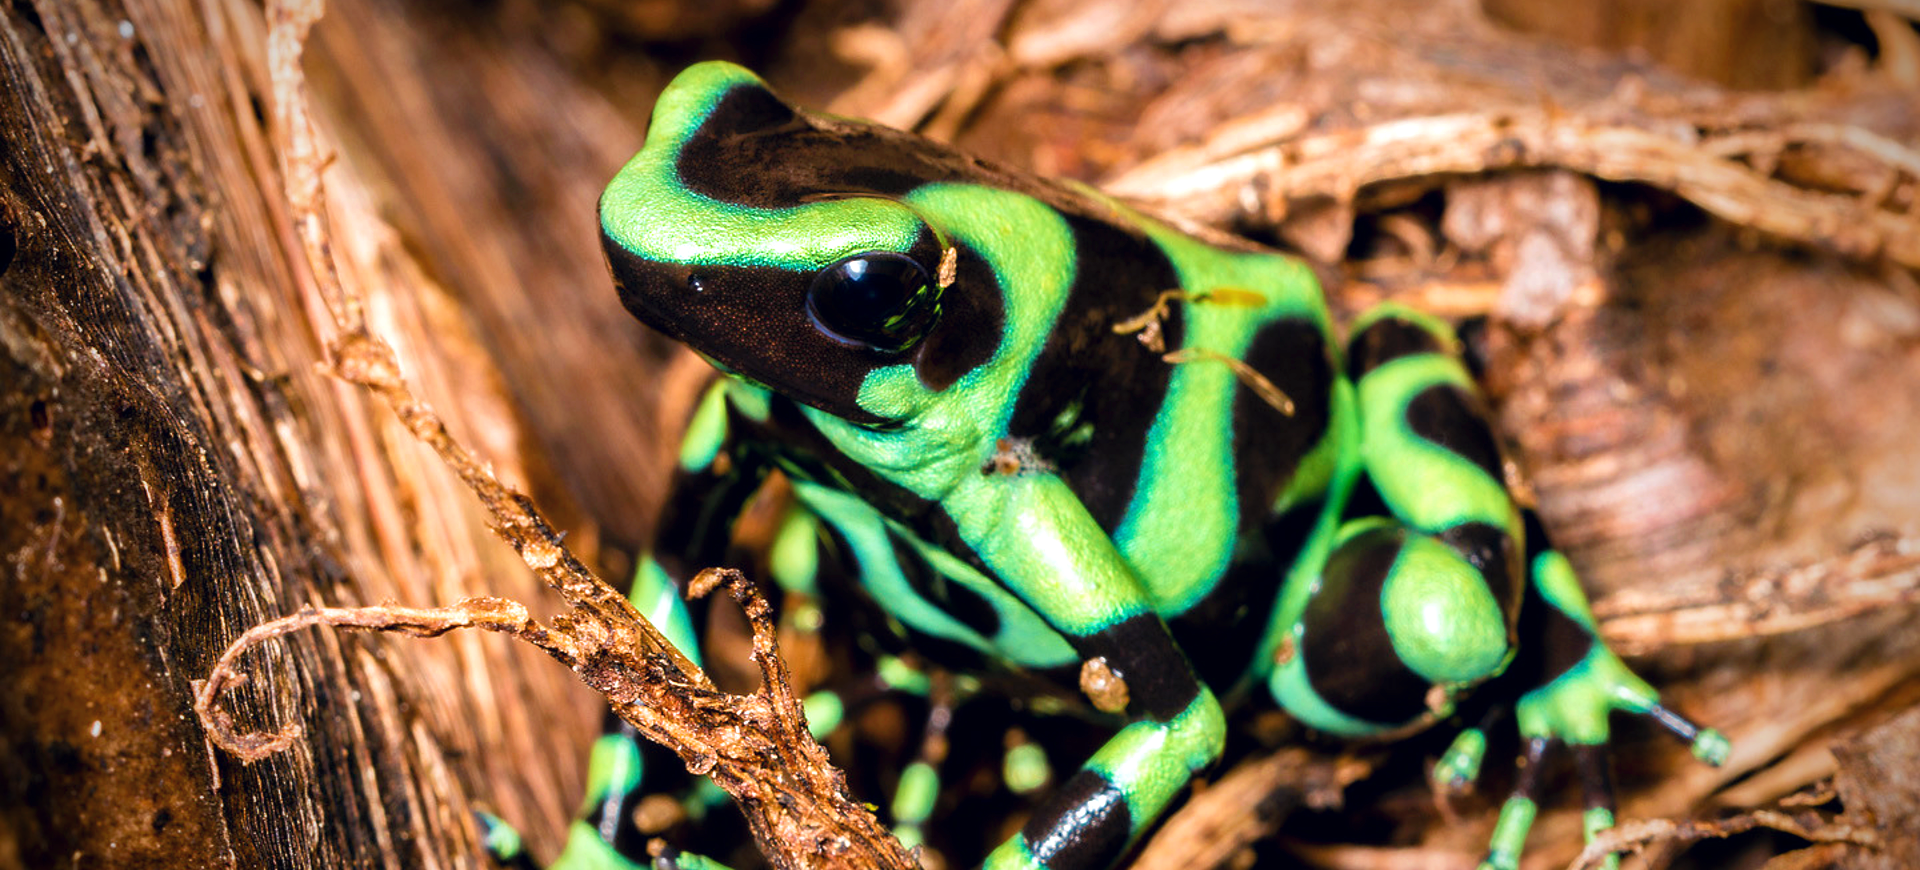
point(1575, 684)
point(1415, 598)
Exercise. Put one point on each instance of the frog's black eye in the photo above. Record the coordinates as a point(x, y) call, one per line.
point(879, 300)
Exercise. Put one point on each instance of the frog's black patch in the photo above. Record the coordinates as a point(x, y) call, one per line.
point(1110, 386)
point(1563, 642)
point(1386, 340)
point(753, 320)
point(696, 523)
point(854, 603)
point(1348, 654)
point(757, 151)
point(1160, 684)
point(1084, 825)
point(747, 109)
point(1452, 418)
point(805, 453)
point(1490, 550)
point(962, 603)
point(1220, 632)
point(971, 325)
point(1364, 500)
point(1267, 444)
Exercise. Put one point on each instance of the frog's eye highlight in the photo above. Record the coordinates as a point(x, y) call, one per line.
point(879, 300)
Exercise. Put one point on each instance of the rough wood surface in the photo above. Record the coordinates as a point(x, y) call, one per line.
point(1703, 334)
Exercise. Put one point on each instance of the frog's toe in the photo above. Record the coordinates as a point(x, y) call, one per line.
point(1571, 714)
point(502, 842)
point(1706, 744)
point(1459, 767)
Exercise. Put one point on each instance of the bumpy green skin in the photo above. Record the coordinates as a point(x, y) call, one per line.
point(1026, 482)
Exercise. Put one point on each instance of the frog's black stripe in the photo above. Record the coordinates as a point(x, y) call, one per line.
point(1084, 825)
point(1564, 643)
point(958, 601)
point(972, 319)
point(756, 151)
point(1490, 550)
point(1347, 651)
point(696, 524)
point(1117, 384)
point(1451, 418)
point(1160, 684)
point(1267, 443)
point(1386, 340)
point(1220, 633)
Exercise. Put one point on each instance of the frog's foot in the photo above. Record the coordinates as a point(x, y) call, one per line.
point(502, 842)
point(1584, 684)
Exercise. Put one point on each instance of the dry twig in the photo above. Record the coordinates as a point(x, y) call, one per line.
point(754, 746)
point(1337, 165)
point(1633, 836)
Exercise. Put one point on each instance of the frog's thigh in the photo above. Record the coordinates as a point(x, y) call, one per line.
point(1396, 614)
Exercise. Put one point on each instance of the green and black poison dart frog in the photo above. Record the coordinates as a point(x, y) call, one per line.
point(1062, 437)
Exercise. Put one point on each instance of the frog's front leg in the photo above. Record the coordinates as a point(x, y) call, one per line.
point(715, 477)
point(1036, 536)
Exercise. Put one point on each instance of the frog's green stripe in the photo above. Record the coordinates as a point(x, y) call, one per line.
point(1127, 784)
point(1182, 553)
point(1030, 531)
point(658, 599)
point(1444, 621)
point(707, 431)
point(1429, 486)
point(1023, 639)
point(794, 556)
point(613, 770)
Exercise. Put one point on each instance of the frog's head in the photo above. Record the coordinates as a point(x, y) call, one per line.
point(780, 245)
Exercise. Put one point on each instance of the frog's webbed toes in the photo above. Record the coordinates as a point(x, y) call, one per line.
point(1570, 714)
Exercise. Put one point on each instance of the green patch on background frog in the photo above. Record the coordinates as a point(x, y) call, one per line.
point(1051, 436)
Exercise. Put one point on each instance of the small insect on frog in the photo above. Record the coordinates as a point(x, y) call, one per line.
point(1061, 437)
